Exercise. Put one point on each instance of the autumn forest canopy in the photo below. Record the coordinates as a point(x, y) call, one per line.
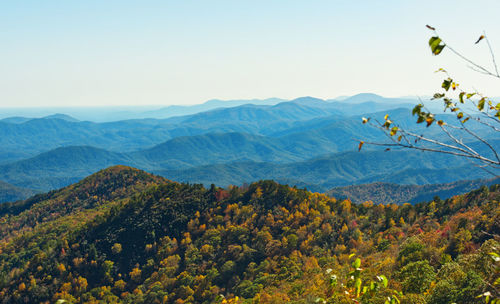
point(126, 236)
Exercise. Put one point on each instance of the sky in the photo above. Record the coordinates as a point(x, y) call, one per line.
point(108, 53)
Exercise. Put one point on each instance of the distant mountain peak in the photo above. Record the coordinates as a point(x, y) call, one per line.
point(61, 116)
point(364, 97)
point(119, 177)
point(272, 100)
point(307, 100)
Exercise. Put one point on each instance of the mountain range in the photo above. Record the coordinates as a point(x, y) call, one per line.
point(307, 142)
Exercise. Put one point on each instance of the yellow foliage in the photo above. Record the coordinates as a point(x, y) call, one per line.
point(120, 285)
point(135, 274)
point(66, 287)
point(235, 300)
point(116, 248)
point(344, 229)
point(61, 268)
point(257, 193)
point(206, 249)
point(82, 284)
point(401, 222)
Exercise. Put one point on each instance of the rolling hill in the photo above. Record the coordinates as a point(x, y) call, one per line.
point(21, 137)
point(387, 193)
point(10, 193)
point(340, 169)
point(125, 236)
point(228, 158)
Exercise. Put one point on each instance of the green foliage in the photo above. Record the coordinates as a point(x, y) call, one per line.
point(389, 193)
point(416, 277)
point(10, 193)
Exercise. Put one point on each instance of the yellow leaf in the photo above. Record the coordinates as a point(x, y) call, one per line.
point(360, 145)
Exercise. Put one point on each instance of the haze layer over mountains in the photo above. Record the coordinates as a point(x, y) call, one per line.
point(307, 142)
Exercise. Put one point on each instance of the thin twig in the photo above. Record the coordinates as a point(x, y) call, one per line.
point(481, 140)
point(491, 52)
point(458, 141)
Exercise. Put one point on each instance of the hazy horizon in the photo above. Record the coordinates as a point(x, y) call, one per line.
point(339, 98)
point(124, 53)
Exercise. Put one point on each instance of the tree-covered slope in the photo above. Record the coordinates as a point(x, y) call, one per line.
point(219, 148)
point(387, 193)
point(236, 158)
point(10, 193)
point(338, 169)
point(60, 167)
point(124, 236)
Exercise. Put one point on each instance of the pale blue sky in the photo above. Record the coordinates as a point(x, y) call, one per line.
point(86, 53)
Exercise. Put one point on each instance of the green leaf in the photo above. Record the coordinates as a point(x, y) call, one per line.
point(461, 97)
point(446, 84)
point(480, 104)
point(436, 46)
point(417, 109)
point(394, 130)
point(356, 263)
point(357, 284)
point(438, 96)
point(384, 280)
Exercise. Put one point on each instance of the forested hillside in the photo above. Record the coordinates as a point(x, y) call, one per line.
point(387, 193)
point(125, 236)
point(12, 193)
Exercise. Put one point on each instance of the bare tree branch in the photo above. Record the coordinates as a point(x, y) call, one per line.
point(491, 53)
point(458, 141)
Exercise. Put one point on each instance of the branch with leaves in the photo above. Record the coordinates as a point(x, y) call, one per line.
point(356, 288)
point(486, 114)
